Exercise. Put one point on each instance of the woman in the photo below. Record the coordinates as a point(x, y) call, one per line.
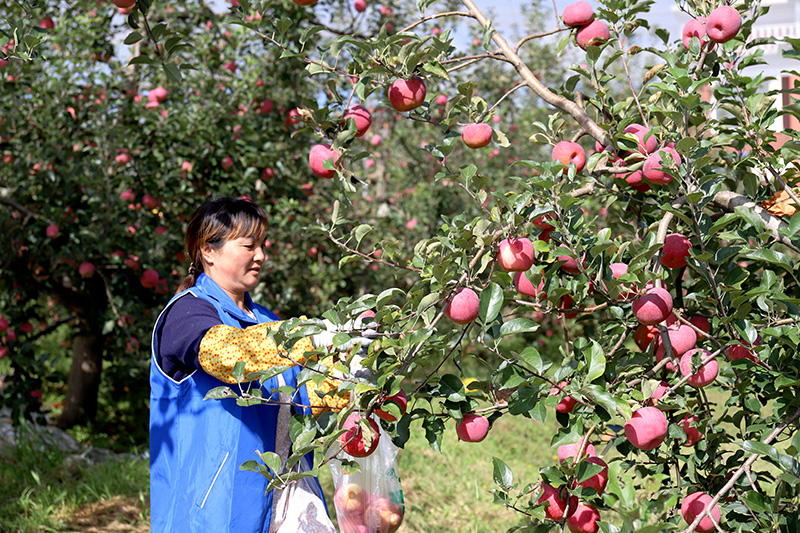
point(196, 446)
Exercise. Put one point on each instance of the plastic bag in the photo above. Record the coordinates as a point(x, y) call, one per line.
point(369, 501)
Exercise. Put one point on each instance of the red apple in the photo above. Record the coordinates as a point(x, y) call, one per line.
point(525, 287)
point(567, 403)
point(52, 231)
point(702, 323)
point(383, 516)
point(693, 435)
point(743, 351)
point(400, 399)
point(566, 152)
point(647, 428)
point(86, 270)
point(693, 505)
point(405, 95)
point(675, 251)
point(150, 202)
point(541, 221)
point(463, 306)
point(305, 2)
point(656, 162)
point(723, 24)
point(318, 155)
point(477, 135)
point(350, 498)
point(584, 519)
point(567, 451)
point(625, 291)
point(47, 23)
point(598, 481)
point(702, 376)
point(159, 94)
point(123, 3)
point(647, 143)
point(682, 338)
point(293, 117)
point(578, 14)
point(696, 27)
point(556, 508)
point(149, 279)
point(569, 264)
point(362, 118)
point(3, 351)
point(636, 180)
point(360, 5)
point(515, 254)
point(593, 34)
point(644, 335)
point(352, 440)
point(654, 306)
point(472, 428)
point(3, 324)
point(659, 393)
point(123, 159)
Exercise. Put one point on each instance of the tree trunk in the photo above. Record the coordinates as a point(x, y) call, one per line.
point(80, 404)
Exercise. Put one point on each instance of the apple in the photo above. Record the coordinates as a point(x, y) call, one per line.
point(654, 306)
point(525, 287)
point(598, 481)
point(702, 323)
point(3, 324)
point(123, 159)
point(362, 117)
point(578, 14)
point(541, 221)
point(400, 399)
point(360, 5)
point(52, 231)
point(405, 95)
point(693, 505)
point(695, 27)
point(566, 152)
point(124, 4)
point(657, 161)
point(149, 279)
point(127, 196)
point(682, 338)
point(86, 269)
point(693, 435)
point(318, 155)
point(647, 428)
point(556, 508)
point(647, 143)
point(3, 351)
point(305, 2)
point(150, 202)
point(636, 180)
point(644, 335)
point(159, 94)
point(569, 264)
point(463, 306)
point(743, 351)
point(472, 428)
point(567, 403)
point(700, 377)
point(567, 451)
point(675, 251)
point(515, 254)
point(351, 498)
point(441, 99)
point(617, 270)
point(593, 34)
point(659, 393)
point(47, 23)
point(383, 516)
point(352, 440)
point(723, 24)
point(477, 135)
point(293, 117)
point(584, 519)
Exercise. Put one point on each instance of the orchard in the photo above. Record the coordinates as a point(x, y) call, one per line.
point(622, 189)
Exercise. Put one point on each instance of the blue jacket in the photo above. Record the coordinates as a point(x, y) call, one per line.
point(196, 446)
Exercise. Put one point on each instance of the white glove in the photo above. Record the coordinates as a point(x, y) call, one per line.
point(324, 339)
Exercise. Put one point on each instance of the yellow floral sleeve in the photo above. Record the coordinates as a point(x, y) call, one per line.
point(223, 346)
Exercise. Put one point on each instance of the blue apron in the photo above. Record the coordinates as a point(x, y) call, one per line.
point(196, 446)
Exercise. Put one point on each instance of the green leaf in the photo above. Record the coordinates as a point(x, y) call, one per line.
point(518, 325)
point(272, 460)
point(238, 371)
point(502, 473)
point(133, 38)
point(597, 362)
point(219, 393)
point(452, 389)
point(788, 464)
point(491, 302)
point(771, 256)
point(173, 72)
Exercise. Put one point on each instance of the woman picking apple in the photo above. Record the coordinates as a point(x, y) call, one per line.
point(196, 446)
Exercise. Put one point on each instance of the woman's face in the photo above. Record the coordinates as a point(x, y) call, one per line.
point(236, 266)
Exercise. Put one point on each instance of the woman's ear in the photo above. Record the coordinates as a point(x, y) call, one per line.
point(207, 253)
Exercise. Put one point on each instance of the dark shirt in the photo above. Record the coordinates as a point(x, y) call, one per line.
point(183, 327)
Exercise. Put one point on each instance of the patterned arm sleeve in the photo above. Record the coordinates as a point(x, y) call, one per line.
point(223, 346)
